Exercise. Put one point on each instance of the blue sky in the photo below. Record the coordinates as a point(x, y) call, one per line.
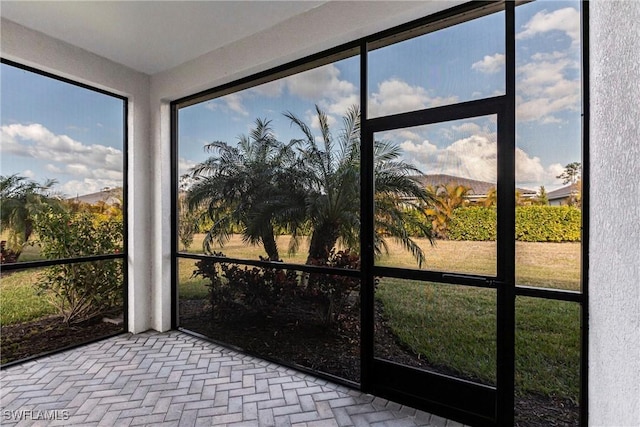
point(457, 64)
point(54, 130)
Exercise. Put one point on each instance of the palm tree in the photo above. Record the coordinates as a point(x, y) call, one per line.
point(236, 185)
point(333, 188)
point(448, 198)
point(20, 200)
point(491, 198)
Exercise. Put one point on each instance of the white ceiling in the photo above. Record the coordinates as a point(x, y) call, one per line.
point(151, 36)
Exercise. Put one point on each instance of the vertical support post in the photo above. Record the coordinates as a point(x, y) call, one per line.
point(367, 209)
point(174, 216)
point(506, 235)
point(584, 238)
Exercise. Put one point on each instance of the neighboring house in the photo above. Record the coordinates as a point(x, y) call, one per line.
point(563, 196)
point(478, 190)
point(112, 196)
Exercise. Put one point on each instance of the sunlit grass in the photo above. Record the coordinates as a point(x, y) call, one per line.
point(451, 326)
point(455, 326)
point(237, 248)
point(547, 265)
point(444, 255)
point(30, 251)
point(189, 286)
point(548, 347)
point(19, 300)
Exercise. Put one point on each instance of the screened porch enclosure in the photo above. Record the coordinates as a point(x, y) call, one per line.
point(353, 214)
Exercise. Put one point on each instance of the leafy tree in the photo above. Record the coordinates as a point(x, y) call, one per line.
point(575, 200)
point(542, 197)
point(187, 222)
point(236, 185)
point(80, 291)
point(20, 200)
point(332, 189)
point(571, 173)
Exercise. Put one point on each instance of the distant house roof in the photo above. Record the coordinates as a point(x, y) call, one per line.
point(476, 188)
point(563, 193)
point(110, 197)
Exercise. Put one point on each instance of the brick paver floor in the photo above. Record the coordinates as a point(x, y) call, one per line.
point(174, 379)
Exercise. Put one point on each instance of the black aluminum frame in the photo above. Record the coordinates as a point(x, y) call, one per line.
point(504, 283)
point(392, 380)
point(125, 222)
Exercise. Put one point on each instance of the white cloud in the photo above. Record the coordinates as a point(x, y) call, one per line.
point(531, 173)
point(75, 188)
point(52, 168)
point(474, 157)
point(540, 72)
point(64, 155)
point(324, 86)
point(234, 103)
point(422, 152)
point(547, 85)
point(231, 102)
point(184, 165)
point(314, 122)
point(321, 82)
point(407, 134)
point(397, 96)
point(489, 64)
point(468, 128)
point(28, 173)
point(566, 20)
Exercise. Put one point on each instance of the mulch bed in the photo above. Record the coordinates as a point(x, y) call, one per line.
point(29, 339)
point(301, 340)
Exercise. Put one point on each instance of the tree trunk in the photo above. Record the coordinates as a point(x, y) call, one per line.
point(270, 246)
point(323, 240)
point(28, 230)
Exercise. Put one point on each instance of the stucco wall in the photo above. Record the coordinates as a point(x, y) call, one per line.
point(614, 249)
point(37, 50)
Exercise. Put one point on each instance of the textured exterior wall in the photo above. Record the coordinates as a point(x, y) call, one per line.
point(614, 249)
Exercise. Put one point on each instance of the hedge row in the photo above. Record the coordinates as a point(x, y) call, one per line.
point(533, 224)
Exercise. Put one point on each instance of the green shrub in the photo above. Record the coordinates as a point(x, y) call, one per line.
point(80, 291)
point(263, 290)
point(533, 224)
point(473, 223)
point(548, 224)
point(269, 291)
point(334, 290)
point(417, 224)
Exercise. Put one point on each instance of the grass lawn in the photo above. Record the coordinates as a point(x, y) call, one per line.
point(455, 326)
point(19, 301)
point(452, 326)
point(546, 265)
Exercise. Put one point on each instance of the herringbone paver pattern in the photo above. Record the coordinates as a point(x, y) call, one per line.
point(174, 379)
